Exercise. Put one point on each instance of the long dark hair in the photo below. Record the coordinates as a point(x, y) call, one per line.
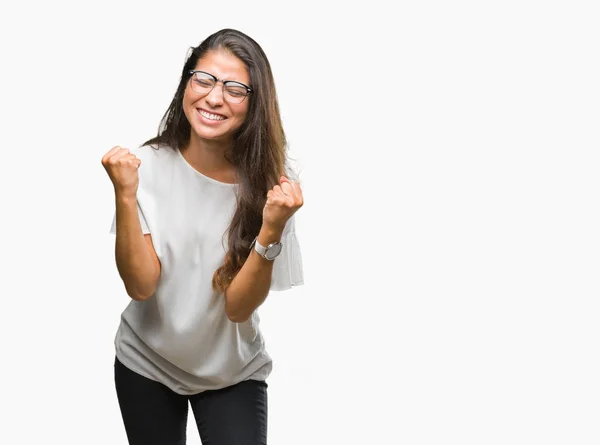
point(259, 150)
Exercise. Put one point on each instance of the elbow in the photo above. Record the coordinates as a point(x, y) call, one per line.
point(237, 319)
point(138, 295)
point(237, 316)
point(235, 310)
point(140, 288)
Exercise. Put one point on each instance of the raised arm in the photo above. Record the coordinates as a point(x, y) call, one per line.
point(137, 262)
point(250, 287)
point(136, 259)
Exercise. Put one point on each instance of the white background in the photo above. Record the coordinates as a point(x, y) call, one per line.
point(449, 155)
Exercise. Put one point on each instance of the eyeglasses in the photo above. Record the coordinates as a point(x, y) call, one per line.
point(233, 92)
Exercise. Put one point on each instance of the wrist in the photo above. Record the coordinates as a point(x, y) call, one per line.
point(269, 234)
point(125, 199)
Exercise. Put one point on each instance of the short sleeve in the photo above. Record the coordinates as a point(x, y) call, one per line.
point(143, 222)
point(287, 267)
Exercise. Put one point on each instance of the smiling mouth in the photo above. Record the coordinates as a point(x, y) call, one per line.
point(211, 116)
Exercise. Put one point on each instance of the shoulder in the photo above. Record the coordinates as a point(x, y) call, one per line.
point(155, 163)
point(153, 152)
point(154, 158)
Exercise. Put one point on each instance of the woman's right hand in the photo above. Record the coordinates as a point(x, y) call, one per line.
point(122, 168)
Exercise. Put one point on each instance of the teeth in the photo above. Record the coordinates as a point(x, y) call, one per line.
point(211, 116)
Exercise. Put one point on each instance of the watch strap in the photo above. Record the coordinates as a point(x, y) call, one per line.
point(262, 250)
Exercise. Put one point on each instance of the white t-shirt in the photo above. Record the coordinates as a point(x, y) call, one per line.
point(181, 335)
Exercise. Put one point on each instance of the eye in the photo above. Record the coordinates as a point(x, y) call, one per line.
point(236, 91)
point(204, 82)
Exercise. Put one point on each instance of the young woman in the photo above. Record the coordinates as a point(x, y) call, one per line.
point(204, 230)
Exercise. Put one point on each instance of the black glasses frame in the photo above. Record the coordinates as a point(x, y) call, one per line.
point(224, 82)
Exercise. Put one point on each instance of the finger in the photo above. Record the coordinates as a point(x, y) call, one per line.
point(123, 159)
point(287, 189)
point(123, 153)
point(283, 179)
point(111, 152)
point(132, 163)
point(134, 160)
point(277, 190)
point(297, 194)
point(297, 190)
point(131, 160)
point(278, 198)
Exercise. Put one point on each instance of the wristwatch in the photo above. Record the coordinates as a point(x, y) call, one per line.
point(268, 253)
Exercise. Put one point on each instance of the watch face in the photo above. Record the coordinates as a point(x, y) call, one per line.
point(273, 250)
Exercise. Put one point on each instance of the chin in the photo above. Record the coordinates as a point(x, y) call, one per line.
point(202, 133)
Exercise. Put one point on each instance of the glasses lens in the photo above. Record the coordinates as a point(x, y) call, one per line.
point(234, 92)
point(202, 83)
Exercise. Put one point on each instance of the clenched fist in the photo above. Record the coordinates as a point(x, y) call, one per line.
point(282, 202)
point(122, 168)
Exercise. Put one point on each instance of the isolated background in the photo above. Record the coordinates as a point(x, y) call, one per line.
point(449, 157)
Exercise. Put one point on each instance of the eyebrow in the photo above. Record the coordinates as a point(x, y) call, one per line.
point(224, 80)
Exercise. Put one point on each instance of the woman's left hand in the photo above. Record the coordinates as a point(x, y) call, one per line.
point(283, 201)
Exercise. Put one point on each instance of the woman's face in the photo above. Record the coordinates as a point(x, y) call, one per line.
point(210, 115)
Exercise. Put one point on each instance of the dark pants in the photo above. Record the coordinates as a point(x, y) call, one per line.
point(155, 415)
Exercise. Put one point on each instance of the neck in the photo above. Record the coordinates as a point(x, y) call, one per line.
point(208, 157)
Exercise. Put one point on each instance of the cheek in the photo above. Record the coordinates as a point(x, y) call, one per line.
point(241, 113)
point(186, 104)
point(186, 112)
point(187, 100)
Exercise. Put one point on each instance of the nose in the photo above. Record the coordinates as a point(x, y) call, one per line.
point(215, 97)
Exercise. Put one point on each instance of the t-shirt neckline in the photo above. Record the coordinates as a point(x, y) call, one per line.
point(201, 175)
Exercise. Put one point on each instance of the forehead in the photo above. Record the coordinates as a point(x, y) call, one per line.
point(223, 65)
